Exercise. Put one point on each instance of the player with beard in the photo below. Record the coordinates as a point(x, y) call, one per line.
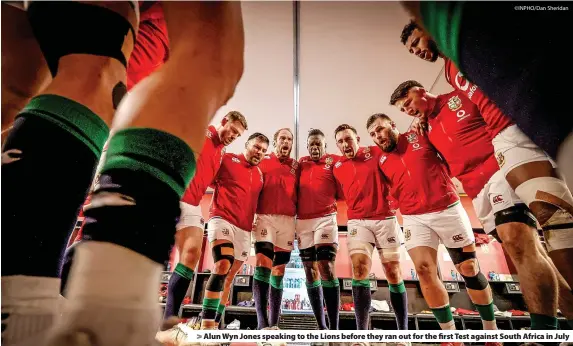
point(508, 60)
point(457, 130)
point(274, 228)
point(432, 212)
point(190, 228)
point(527, 168)
point(229, 230)
point(371, 223)
point(317, 229)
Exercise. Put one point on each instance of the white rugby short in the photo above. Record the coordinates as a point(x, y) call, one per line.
point(320, 230)
point(220, 229)
point(191, 216)
point(276, 229)
point(495, 196)
point(451, 226)
point(513, 148)
point(384, 234)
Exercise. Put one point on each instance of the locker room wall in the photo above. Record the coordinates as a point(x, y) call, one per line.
point(351, 60)
point(265, 93)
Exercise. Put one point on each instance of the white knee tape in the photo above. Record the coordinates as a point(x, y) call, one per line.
point(356, 246)
point(546, 189)
point(389, 255)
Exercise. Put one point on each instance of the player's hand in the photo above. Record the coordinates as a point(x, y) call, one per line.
point(419, 125)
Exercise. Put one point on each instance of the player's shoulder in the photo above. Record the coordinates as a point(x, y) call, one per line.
point(304, 159)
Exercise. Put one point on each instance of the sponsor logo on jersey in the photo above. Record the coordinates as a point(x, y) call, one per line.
point(407, 234)
point(244, 254)
point(236, 160)
point(367, 154)
point(497, 199)
point(324, 236)
point(458, 238)
point(383, 159)
point(391, 240)
point(338, 164)
point(454, 103)
point(289, 243)
point(500, 159)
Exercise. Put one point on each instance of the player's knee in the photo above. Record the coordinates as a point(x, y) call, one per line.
point(191, 254)
point(266, 249)
point(223, 256)
point(360, 266)
point(425, 270)
point(310, 271)
point(393, 272)
point(326, 269)
point(468, 267)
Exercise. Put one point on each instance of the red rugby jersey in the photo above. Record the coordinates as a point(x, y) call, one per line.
point(496, 121)
point(207, 166)
point(279, 195)
point(363, 185)
point(459, 133)
point(417, 177)
point(237, 188)
point(151, 48)
point(317, 187)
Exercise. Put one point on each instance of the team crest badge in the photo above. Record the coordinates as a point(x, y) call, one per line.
point(264, 232)
point(412, 137)
point(329, 160)
point(407, 234)
point(367, 149)
point(454, 103)
point(353, 232)
point(500, 159)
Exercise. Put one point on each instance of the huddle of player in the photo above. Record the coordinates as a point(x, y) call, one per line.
point(66, 70)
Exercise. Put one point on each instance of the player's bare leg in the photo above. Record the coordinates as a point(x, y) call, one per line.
point(326, 257)
point(229, 280)
point(538, 280)
point(361, 294)
point(565, 294)
point(539, 186)
point(188, 242)
point(425, 260)
point(391, 263)
point(476, 283)
point(24, 69)
point(150, 160)
point(280, 260)
point(60, 133)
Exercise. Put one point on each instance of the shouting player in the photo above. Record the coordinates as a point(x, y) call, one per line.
point(274, 227)
point(526, 167)
point(229, 230)
point(432, 212)
point(150, 160)
point(457, 130)
point(317, 229)
point(371, 224)
point(190, 228)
